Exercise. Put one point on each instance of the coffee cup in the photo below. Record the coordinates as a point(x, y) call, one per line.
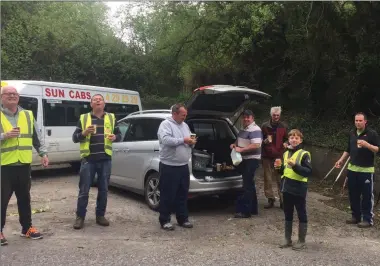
point(18, 128)
point(218, 167)
point(270, 138)
point(193, 135)
point(277, 164)
point(358, 143)
point(94, 126)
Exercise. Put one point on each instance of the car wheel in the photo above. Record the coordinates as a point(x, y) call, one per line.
point(152, 191)
point(75, 166)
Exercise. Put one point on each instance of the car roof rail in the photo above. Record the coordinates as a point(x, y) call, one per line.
point(163, 111)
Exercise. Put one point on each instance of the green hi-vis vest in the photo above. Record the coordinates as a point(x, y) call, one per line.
point(109, 125)
point(18, 149)
point(288, 171)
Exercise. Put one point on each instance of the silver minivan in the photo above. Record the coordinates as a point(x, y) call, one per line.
point(135, 163)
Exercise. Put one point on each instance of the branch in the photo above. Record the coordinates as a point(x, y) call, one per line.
point(307, 20)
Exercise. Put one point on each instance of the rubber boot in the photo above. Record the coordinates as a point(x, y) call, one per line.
point(302, 230)
point(288, 235)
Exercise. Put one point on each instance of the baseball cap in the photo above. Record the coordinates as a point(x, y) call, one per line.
point(248, 113)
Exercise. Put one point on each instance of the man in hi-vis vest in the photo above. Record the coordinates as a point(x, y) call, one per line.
point(19, 133)
point(95, 132)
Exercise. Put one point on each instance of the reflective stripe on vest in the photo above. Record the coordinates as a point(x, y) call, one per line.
point(297, 157)
point(109, 124)
point(18, 149)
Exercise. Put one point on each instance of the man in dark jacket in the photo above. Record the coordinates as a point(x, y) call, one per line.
point(362, 146)
point(274, 135)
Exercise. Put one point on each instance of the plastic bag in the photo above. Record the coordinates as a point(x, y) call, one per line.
point(236, 157)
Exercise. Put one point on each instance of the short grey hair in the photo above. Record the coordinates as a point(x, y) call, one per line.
point(275, 109)
point(175, 108)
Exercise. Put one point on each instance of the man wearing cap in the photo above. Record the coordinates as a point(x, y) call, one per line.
point(19, 133)
point(249, 145)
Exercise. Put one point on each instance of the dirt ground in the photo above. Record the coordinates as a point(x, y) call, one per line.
point(134, 237)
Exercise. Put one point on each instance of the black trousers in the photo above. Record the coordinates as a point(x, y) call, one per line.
point(174, 189)
point(16, 179)
point(290, 201)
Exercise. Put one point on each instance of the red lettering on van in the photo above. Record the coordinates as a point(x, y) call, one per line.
point(47, 92)
point(88, 95)
point(58, 93)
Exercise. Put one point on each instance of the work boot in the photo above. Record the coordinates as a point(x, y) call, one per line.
point(101, 220)
point(288, 235)
point(270, 204)
point(352, 221)
point(79, 223)
point(302, 230)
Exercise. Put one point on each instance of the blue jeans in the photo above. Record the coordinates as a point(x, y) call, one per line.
point(87, 174)
point(247, 202)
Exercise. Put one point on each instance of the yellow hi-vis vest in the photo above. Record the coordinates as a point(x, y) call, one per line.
point(19, 149)
point(288, 171)
point(109, 125)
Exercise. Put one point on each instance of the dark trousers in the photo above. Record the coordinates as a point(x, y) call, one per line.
point(174, 189)
point(16, 179)
point(247, 202)
point(360, 192)
point(289, 202)
point(87, 173)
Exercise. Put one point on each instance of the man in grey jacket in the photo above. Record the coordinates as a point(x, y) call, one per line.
point(175, 151)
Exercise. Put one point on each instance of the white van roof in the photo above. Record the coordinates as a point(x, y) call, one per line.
point(67, 85)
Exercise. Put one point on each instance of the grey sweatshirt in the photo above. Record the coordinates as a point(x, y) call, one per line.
point(173, 150)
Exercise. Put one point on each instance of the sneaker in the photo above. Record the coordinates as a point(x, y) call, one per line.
point(101, 220)
point(79, 223)
point(3, 239)
point(31, 233)
point(241, 215)
point(364, 224)
point(186, 225)
point(167, 227)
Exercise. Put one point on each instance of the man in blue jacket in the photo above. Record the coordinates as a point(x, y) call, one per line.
point(175, 152)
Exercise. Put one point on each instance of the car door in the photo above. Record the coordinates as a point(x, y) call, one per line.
point(136, 152)
point(119, 157)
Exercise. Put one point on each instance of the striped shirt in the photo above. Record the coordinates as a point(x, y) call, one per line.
point(252, 134)
point(97, 151)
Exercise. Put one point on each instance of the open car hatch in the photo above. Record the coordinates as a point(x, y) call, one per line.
point(222, 100)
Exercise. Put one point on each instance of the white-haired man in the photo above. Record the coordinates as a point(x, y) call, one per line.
point(275, 137)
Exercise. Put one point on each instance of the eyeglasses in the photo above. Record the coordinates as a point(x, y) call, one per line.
point(10, 94)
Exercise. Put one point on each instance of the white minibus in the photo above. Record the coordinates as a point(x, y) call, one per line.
point(57, 107)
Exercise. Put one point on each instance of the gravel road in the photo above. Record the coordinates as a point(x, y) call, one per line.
point(134, 237)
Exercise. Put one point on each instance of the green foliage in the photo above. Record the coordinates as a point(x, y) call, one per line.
point(319, 60)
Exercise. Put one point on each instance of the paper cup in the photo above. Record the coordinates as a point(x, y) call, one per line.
point(358, 144)
point(277, 163)
point(270, 138)
point(193, 135)
point(19, 129)
point(94, 128)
